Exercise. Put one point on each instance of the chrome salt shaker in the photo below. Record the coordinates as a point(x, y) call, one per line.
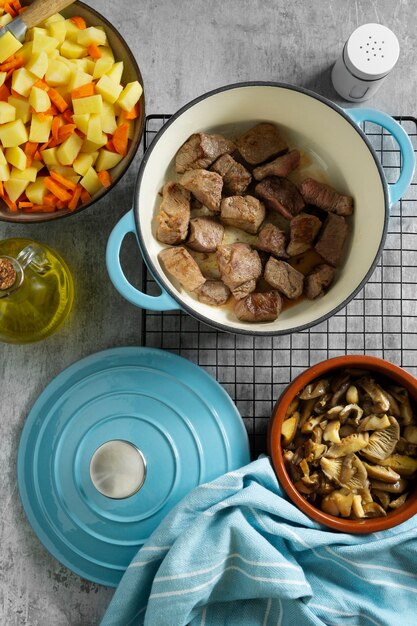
point(368, 56)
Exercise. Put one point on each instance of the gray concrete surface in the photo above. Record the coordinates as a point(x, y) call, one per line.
point(184, 48)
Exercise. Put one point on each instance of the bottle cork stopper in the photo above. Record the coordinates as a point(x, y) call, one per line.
point(7, 274)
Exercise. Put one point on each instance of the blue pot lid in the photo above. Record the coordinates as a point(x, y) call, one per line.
point(186, 427)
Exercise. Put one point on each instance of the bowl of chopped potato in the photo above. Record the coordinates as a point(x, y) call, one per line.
point(72, 114)
point(343, 442)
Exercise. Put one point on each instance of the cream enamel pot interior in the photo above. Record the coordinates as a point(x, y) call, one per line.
point(330, 135)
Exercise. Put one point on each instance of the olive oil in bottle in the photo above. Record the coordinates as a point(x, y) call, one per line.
point(36, 291)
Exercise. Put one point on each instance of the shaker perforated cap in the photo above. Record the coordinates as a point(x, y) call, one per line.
point(371, 52)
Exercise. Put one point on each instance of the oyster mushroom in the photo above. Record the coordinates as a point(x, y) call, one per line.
point(394, 408)
point(353, 412)
point(404, 465)
point(288, 456)
point(306, 410)
point(311, 423)
point(347, 445)
point(373, 509)
point(346, 471)
point(379, 472)
point(331, 432)
point(397, 487)
point(406, 412)
point(357, 507)
point(314, 451)
point(376, 393)
point(289, 428)
point(395, 504)
point(307, 484)
point(341, 499)
point(292, 407)
point(314, 390)
point(346, 430)
point(339, 393)
point(404, 447)
point(410, 434)
point(322, 404)
point(373, 422)
point(382, 442)
point(352, 395)
point(383, 497)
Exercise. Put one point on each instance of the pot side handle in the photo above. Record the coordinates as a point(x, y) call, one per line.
point(396, 190)
point(164, 302)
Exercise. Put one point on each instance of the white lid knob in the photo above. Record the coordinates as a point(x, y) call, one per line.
point(371, 51)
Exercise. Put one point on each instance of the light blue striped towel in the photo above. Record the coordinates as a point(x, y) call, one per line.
point(236, 552)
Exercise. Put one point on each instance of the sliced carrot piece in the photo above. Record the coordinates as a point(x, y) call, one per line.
point(68, 116)
point(57, 190)
point(78, 21)
point(44, 146)
point(57, 99)
point(85, 196)
point(50, 200)
point(12, 205)
point(94, 51)
point(83, 91)
point(110, 146)
point(72, 205)
point(61, 205)
point(25, 205)
point(13, 63)
point(65, 182)
point(120, 138)
point(80, 133)
point(65, 131)
point(16, 5)
point(104, 178)
point(41, 85)
point(56, 122)
point(1, 189)
point(133, 113)
point(9, 9)
point(22, 9)
point(41, 208)
point(4, 93)
point(37, 156)
point(30, 149)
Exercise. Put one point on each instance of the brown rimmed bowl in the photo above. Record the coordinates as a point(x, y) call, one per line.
point(131, 72)
point(379, 366)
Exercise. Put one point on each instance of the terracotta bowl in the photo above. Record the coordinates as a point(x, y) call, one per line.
point(380, 366)
point(131, 72)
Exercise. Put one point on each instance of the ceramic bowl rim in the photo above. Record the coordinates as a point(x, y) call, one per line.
point(377, 364)
point(165, 283)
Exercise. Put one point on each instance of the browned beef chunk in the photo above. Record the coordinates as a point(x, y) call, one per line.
point(205, 234)
point(200, 151)
point(214, 292)
point(240, 267)
point(259, 307)
point(281, 166)
point(325, 197)
point(260, 143)
point(205, 186)
point(245, 212)
point(285, 278)
point(304, 229)
point(272, 239)
point(332, 238)
point(280, 194)
point(174, 214)
point(318, 280)
point(236, 178)
point(180, 264)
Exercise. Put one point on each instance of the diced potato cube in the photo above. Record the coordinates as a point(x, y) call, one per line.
point(23, 81)
point(58, 30)
point(37, 191)
point(78, 79)
point(44, 43)
point(3, 160)
point(39, 100)
point(90, 65)
point(38, 64)
point(7, 112)
point(130, 96)
point(56, 17)
point(13, 134)
point(40, 128)
point(92, 146)
point(8, 44)
point(16, 157)
point(90, 105)
point(72, 30)
point(101, 66)
point(57, 73)
point(2, 77)
point(83, 162)
point(91, 35)
point(36, 30)
point(22, 107)
point(116, 72)
point(69, 149)
point(5, 19)
point(29, 173)
point(122, 120)
point(4, 172)
point(94, 131)
point(108, 89)
point(108, 118)
point(15, 187)
point(68, 172)
point(107, 159)
point(50, 156)
point(54, 54)
point(26, 52)
point(107, 53)
point(73, 50)
point(91, 181)
point(81, 122)
point(81, 64)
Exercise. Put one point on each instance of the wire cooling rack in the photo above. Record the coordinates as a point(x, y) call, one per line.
point(380, 321)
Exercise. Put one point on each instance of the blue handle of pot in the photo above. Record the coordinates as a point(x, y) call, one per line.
point(408, 161)
point(164, 302)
